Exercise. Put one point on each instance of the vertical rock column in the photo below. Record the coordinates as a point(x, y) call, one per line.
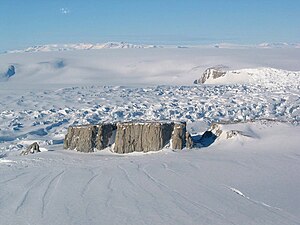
point(142, 137)
point(180, 137)
point(82, 138)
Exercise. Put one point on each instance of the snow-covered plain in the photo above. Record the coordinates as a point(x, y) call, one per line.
point(251, 179)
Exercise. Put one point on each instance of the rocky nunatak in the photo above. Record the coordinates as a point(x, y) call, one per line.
point(126, 137)
point(31, 149)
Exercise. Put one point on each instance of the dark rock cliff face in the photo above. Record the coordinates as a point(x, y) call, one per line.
point(142, 137)
point(128, 137)
point(86, 138)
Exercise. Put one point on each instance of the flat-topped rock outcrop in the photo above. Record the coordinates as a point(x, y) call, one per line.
point(126, 137)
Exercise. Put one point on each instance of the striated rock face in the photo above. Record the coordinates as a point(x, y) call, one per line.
point(86, 138)
point(179, 136)
point(189, 141)
point(81, 138)
point(128, 137)
point(142, 137)
point(211, 73)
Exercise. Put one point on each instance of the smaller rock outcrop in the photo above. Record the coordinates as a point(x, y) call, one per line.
point(4, 76)
point(233, 133)
point(31, 149)
point(189, 141)
point(216, 129)
point(217, 132)
point(10, 71)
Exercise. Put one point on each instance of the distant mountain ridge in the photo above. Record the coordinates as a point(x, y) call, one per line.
point(125, 45)
point(261, 45)
point(81, 46)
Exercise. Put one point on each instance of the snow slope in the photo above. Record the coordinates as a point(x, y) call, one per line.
point(238, 181)
point(252, 179)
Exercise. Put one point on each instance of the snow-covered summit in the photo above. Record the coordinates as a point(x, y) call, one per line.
point(80, 46)
point(279, 45)
point(265, 76)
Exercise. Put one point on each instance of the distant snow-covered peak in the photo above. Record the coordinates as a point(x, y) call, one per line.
point(265, 76)
point(279, 45)
point(80, 46)
point(261, 45)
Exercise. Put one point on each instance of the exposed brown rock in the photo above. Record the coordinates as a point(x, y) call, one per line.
point(33, 148)
point(142, 137)
point(189, 142)
point(128, 136)
point(82, 138)
point(179, 136)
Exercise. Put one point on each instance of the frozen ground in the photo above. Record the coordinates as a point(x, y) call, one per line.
point(251, 179)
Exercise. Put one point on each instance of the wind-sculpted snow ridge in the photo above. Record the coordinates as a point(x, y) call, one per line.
point(80, 46)
point(46, 115)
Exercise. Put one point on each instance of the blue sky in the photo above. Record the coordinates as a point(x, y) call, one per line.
point(29, 22)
